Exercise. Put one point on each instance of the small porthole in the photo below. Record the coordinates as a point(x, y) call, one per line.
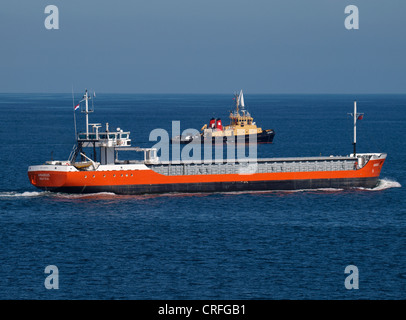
point(85, 177)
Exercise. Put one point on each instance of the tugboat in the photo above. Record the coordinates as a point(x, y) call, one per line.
point(241, 129)
point(106, 173)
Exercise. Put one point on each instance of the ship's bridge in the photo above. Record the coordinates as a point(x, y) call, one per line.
point(108, 141)
point(118, 138)
point(237, 120)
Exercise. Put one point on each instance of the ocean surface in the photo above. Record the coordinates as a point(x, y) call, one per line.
point(253, 245)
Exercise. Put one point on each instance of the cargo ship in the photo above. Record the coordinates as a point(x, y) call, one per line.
point(106, 173)
point(241, 129)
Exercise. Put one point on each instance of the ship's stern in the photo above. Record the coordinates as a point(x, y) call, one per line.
point(48, 177)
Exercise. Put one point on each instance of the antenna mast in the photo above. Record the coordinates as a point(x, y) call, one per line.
point(356, 117)
point(74, 114)
point(237, 102)
point(86, 97)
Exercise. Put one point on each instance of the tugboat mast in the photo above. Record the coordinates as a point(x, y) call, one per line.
point(237, 103)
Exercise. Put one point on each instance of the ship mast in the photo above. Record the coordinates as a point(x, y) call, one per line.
point(241, 98)
point(356, 117)
point(355, 128)
point(237, 102)
point(87, 114)
point(86, 98)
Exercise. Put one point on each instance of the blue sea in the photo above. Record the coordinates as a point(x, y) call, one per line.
point(254, 245)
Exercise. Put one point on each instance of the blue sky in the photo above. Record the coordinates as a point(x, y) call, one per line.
point(210, 46)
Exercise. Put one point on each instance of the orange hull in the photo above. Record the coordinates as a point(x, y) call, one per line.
point(87, 181)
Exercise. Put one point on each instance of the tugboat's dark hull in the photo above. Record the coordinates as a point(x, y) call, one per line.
point(265, 136)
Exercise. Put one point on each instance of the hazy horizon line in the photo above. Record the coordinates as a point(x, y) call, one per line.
point(217, 93)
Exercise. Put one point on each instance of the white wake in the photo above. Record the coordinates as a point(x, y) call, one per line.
point(384, 184)
point(84, 195)
point(23, 194)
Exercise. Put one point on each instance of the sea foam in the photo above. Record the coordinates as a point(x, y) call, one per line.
point(22, 194)
point(385, 184)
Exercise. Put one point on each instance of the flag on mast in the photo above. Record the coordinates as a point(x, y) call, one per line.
point(76, 107)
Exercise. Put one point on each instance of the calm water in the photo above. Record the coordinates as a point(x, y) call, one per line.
point(269, 245)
